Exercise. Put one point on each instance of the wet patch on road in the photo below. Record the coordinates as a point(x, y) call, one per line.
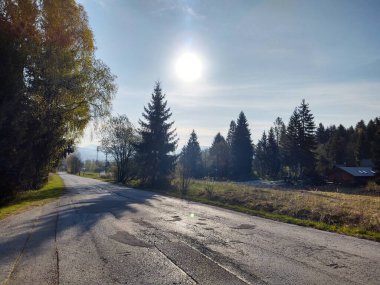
point(244, 227)
point(126, 253)
point(175, 219)
point(129, 239)
point(335, 265)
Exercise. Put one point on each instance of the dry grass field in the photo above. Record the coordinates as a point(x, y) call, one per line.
point(357, 215)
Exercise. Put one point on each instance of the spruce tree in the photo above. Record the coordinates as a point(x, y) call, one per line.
point(219, 157)
point(280, 136)
point(291, 145)
point(371, 132)
point(260, 162)
point(191, 155)
point(273, 155)
point(300, 142)
point(231, 132)
point(321, 134)
point(307, 140)
point(230, 135)
point(241, 150)
point(337, 144)
point(158, 141)
point(279, 130)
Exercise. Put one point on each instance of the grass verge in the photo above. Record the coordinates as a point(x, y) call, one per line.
point(97, 176)
point(25, 200)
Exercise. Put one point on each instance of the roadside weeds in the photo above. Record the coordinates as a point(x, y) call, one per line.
point(34, 198)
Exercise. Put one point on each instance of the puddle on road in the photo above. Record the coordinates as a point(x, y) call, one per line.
point(175, 219)
point(129, 239)
point(244, 227)
point(336, 265)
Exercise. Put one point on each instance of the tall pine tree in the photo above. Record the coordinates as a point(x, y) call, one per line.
point(230, 135)
point(156, 150)
point(191, 156)
point(260, 163)
point(273, 155)
point(307, 140)
point(219, 157)
point(231, 132)
point(300, 142)
point(241, 150)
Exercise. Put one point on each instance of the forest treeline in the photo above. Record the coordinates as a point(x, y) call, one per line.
point(298, 151)
point(52, 85)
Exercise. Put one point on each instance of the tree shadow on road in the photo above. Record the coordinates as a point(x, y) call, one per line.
point(79, 209)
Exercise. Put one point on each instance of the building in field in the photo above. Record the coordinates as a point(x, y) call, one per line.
point(351, 175)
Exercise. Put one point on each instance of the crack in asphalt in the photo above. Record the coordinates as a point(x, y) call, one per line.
point(176, 265)
point(17, 260)
point(56, 243)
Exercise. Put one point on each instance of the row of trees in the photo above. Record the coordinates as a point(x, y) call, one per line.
point(288, 150)
point(148, 153)
point(348, 146)
point(226, 158)
point(296, 151)
point(301, 150)
point(51, 86)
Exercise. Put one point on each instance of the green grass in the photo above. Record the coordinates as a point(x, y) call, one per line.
point(25, 200)
point(95, 175)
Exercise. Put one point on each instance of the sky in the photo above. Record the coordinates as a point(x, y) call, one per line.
point(259, 57)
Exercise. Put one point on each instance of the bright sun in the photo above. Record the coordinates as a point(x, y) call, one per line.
point(189, 67)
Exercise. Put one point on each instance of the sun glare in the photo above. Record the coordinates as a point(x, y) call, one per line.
point(189, 67)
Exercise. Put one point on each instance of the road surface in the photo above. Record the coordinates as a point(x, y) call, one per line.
point(99, 233)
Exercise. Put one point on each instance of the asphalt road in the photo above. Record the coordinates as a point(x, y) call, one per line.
point(99, 233)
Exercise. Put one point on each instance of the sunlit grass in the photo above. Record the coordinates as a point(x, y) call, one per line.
point(95, 175)
point(355, 215)
point(92, 175)
point(25, 200)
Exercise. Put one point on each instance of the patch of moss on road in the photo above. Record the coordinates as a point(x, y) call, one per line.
point(33, 198)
